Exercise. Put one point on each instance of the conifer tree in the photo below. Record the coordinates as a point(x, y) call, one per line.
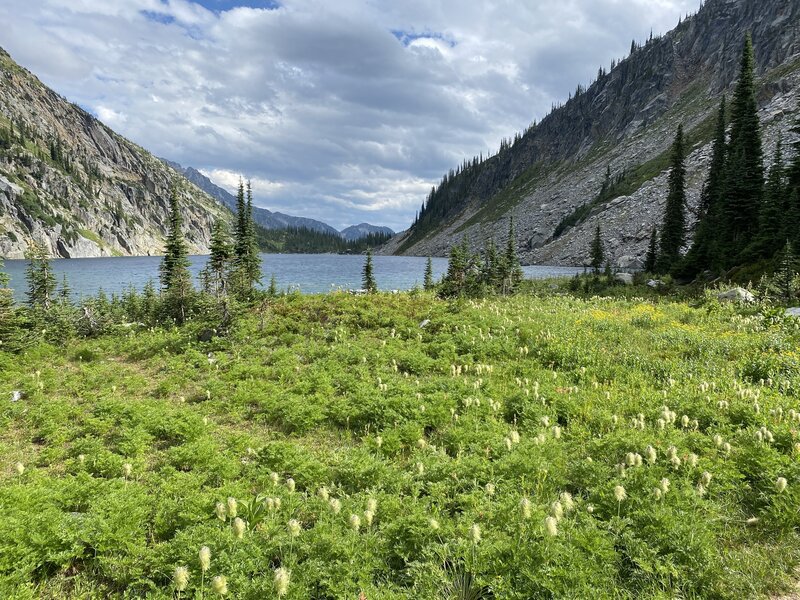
point(774, 208)
point(247, 260)
point(13, 334)
point(511, 268)
point(784, 283)
point(673, 229)
point(176, 281)
point(428, 278)
point(744, 181)
point(703, 253)
point(253, 254)
point(40, 278)
point(367, 276)
point(215, 273)
point(455, 280)
point(651, 258)
point(597, 254)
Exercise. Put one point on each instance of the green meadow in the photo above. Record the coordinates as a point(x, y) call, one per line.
point(400, 446)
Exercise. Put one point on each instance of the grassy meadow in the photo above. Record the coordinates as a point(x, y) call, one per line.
point(332, 447)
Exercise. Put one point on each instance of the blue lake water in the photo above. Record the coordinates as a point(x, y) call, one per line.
point(310, 273)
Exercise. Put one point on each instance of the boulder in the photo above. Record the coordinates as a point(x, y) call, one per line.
point(626, 278)
point(654, 283)
point(736, 295)
point(630, 263)
point(793, 312)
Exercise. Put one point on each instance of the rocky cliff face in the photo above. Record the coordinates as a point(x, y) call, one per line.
point(70, 182)
point(626, 120)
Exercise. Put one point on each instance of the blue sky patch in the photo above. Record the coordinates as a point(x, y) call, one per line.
point(158, 17)
point(406, 37)
point(223, 5)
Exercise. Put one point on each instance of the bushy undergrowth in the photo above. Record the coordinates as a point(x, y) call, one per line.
point(522, 447)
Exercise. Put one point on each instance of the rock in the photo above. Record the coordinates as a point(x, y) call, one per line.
point(626, 278)
point(16, 396)
point(424, 324)
point(654, 283)
point(736, 295)
point(630, 263)
point(793, 312)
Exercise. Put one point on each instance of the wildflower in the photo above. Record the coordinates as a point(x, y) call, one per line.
point(614, 419)
point(369, 515)
point(277, 503)
point(205, 558)
point(780, 484)
point(685, 421)
point(630, 459)
point(421, 443)
point(515, 436)
point(726, 448)
point(651, 454)
point(127, 469)
point(545, 421)
point(661, 423)
point(294, 527)
point(81, 458)
point(274, 477)
point(379, 441)
point(282, 577)
point(420, 469)
point(508, 443)
point(372, 505)
point(181, 578)
point(525, 507)
point(718, 440)
point(232, 507)
point(475, 533)
point(665, 485)
point(556, 432)
point(693, 460)
point(675, 461)
point(290, 484)
point(705, 478)
point(355, 522)
point(590, 508)
point(433, 524)
point(701, 490)
point(323, 493)
point(239, 528)
point(752, 521)
point(490, 489)
point(551, 526)
point(20, 468)
point(336, 505)
point(619, 493)
point(567, 501)
point(759, 436)
point(657, 493)
point(557, 509)
point(219, 585)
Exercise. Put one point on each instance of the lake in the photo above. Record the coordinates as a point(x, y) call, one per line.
point(309, 273)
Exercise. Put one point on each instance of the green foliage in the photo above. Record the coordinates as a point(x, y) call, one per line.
point(651, 258)
point(536, 398)
point(300, 240)
point(673, 228)
point(428, 282)
point(176, 281)
point(596, 254)
point(39, 276)
point(367, 276)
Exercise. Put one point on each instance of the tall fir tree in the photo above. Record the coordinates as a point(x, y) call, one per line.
point(176, 281)
point(13, 333)
point(368, 276)
point(673, 228)
point(792, 223)
point(744, 180)
point(454, 282)
point(651, 258)
point(511, 268)
point(704, 252)
point(247, 259)
point(596, 253)
point(40, 278)
point(772, 220)
point(427, 282)
point(253, 252)
point(215, 274)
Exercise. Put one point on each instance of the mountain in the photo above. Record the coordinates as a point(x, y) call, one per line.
point(267, 219)
point(356, 232)
point(69, 181)
point(550, 178)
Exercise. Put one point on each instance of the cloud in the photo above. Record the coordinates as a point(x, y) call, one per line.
point(346, 111)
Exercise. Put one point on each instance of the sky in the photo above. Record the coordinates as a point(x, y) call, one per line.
point(340, 110)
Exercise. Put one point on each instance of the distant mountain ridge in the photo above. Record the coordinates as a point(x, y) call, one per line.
point(356, 232)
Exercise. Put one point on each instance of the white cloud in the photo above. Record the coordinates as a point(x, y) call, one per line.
point(345, 111)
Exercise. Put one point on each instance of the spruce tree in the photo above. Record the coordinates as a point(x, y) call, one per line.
point(597, 254)
point(511, 268)
point(253, 268)
point(673, 228)
point(247, 260)
point(772, 220)
point(40, 277)
point(784, 283)
point(428, 278)
point(744, 180)
point(455, 280)
point(704, 252)
point(367, 276)
point(13, 334)
point(215, 273)
point(651, 258)
point(176, 281)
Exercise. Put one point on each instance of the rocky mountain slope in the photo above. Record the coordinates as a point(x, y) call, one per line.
point(625, 122)
point(266, 218)
point(70, 182)
point(356, 232)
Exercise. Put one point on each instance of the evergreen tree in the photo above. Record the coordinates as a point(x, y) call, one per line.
point(784, 284)
point(253, 262)
point(176, 281)
point(597, 254)
point(13, 333)
point(673, 229)
point(511, 268)
point(455, 280)
point(428, 279)
point(772, 220)
point(744, 180)
point(367, 276)
point(40, 278)
point(493, 268)
point(651, 259)
point(247, 259)
point(215, 274)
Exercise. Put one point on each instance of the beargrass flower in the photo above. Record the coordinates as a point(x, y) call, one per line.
point(420, 469)
point(219, 585)
point(232, 507)
point(181, 578)
point(475, 533)
point(551, 526)
point(780, 484)
point(433, 524)
point(657, 493)
point(282, 577)
point(205, 558)
point(355, 522)
point(220, 511)
point(556, 432)
point(274, 477)
point(290, 484)
point(514, 436)
point(705, 478)
point(336, 505)
point(557, 510)
point(590, 508)
point(127, 469)
point(369, 515)
point(665, 485)
point(372, 505)
point(567, 502)
point(525, 508)
point(490, 489)
point(19, 468)
point(651, 455)
point(294, 527)
point(239, 527)
point(619, 493)
point(323, 493)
